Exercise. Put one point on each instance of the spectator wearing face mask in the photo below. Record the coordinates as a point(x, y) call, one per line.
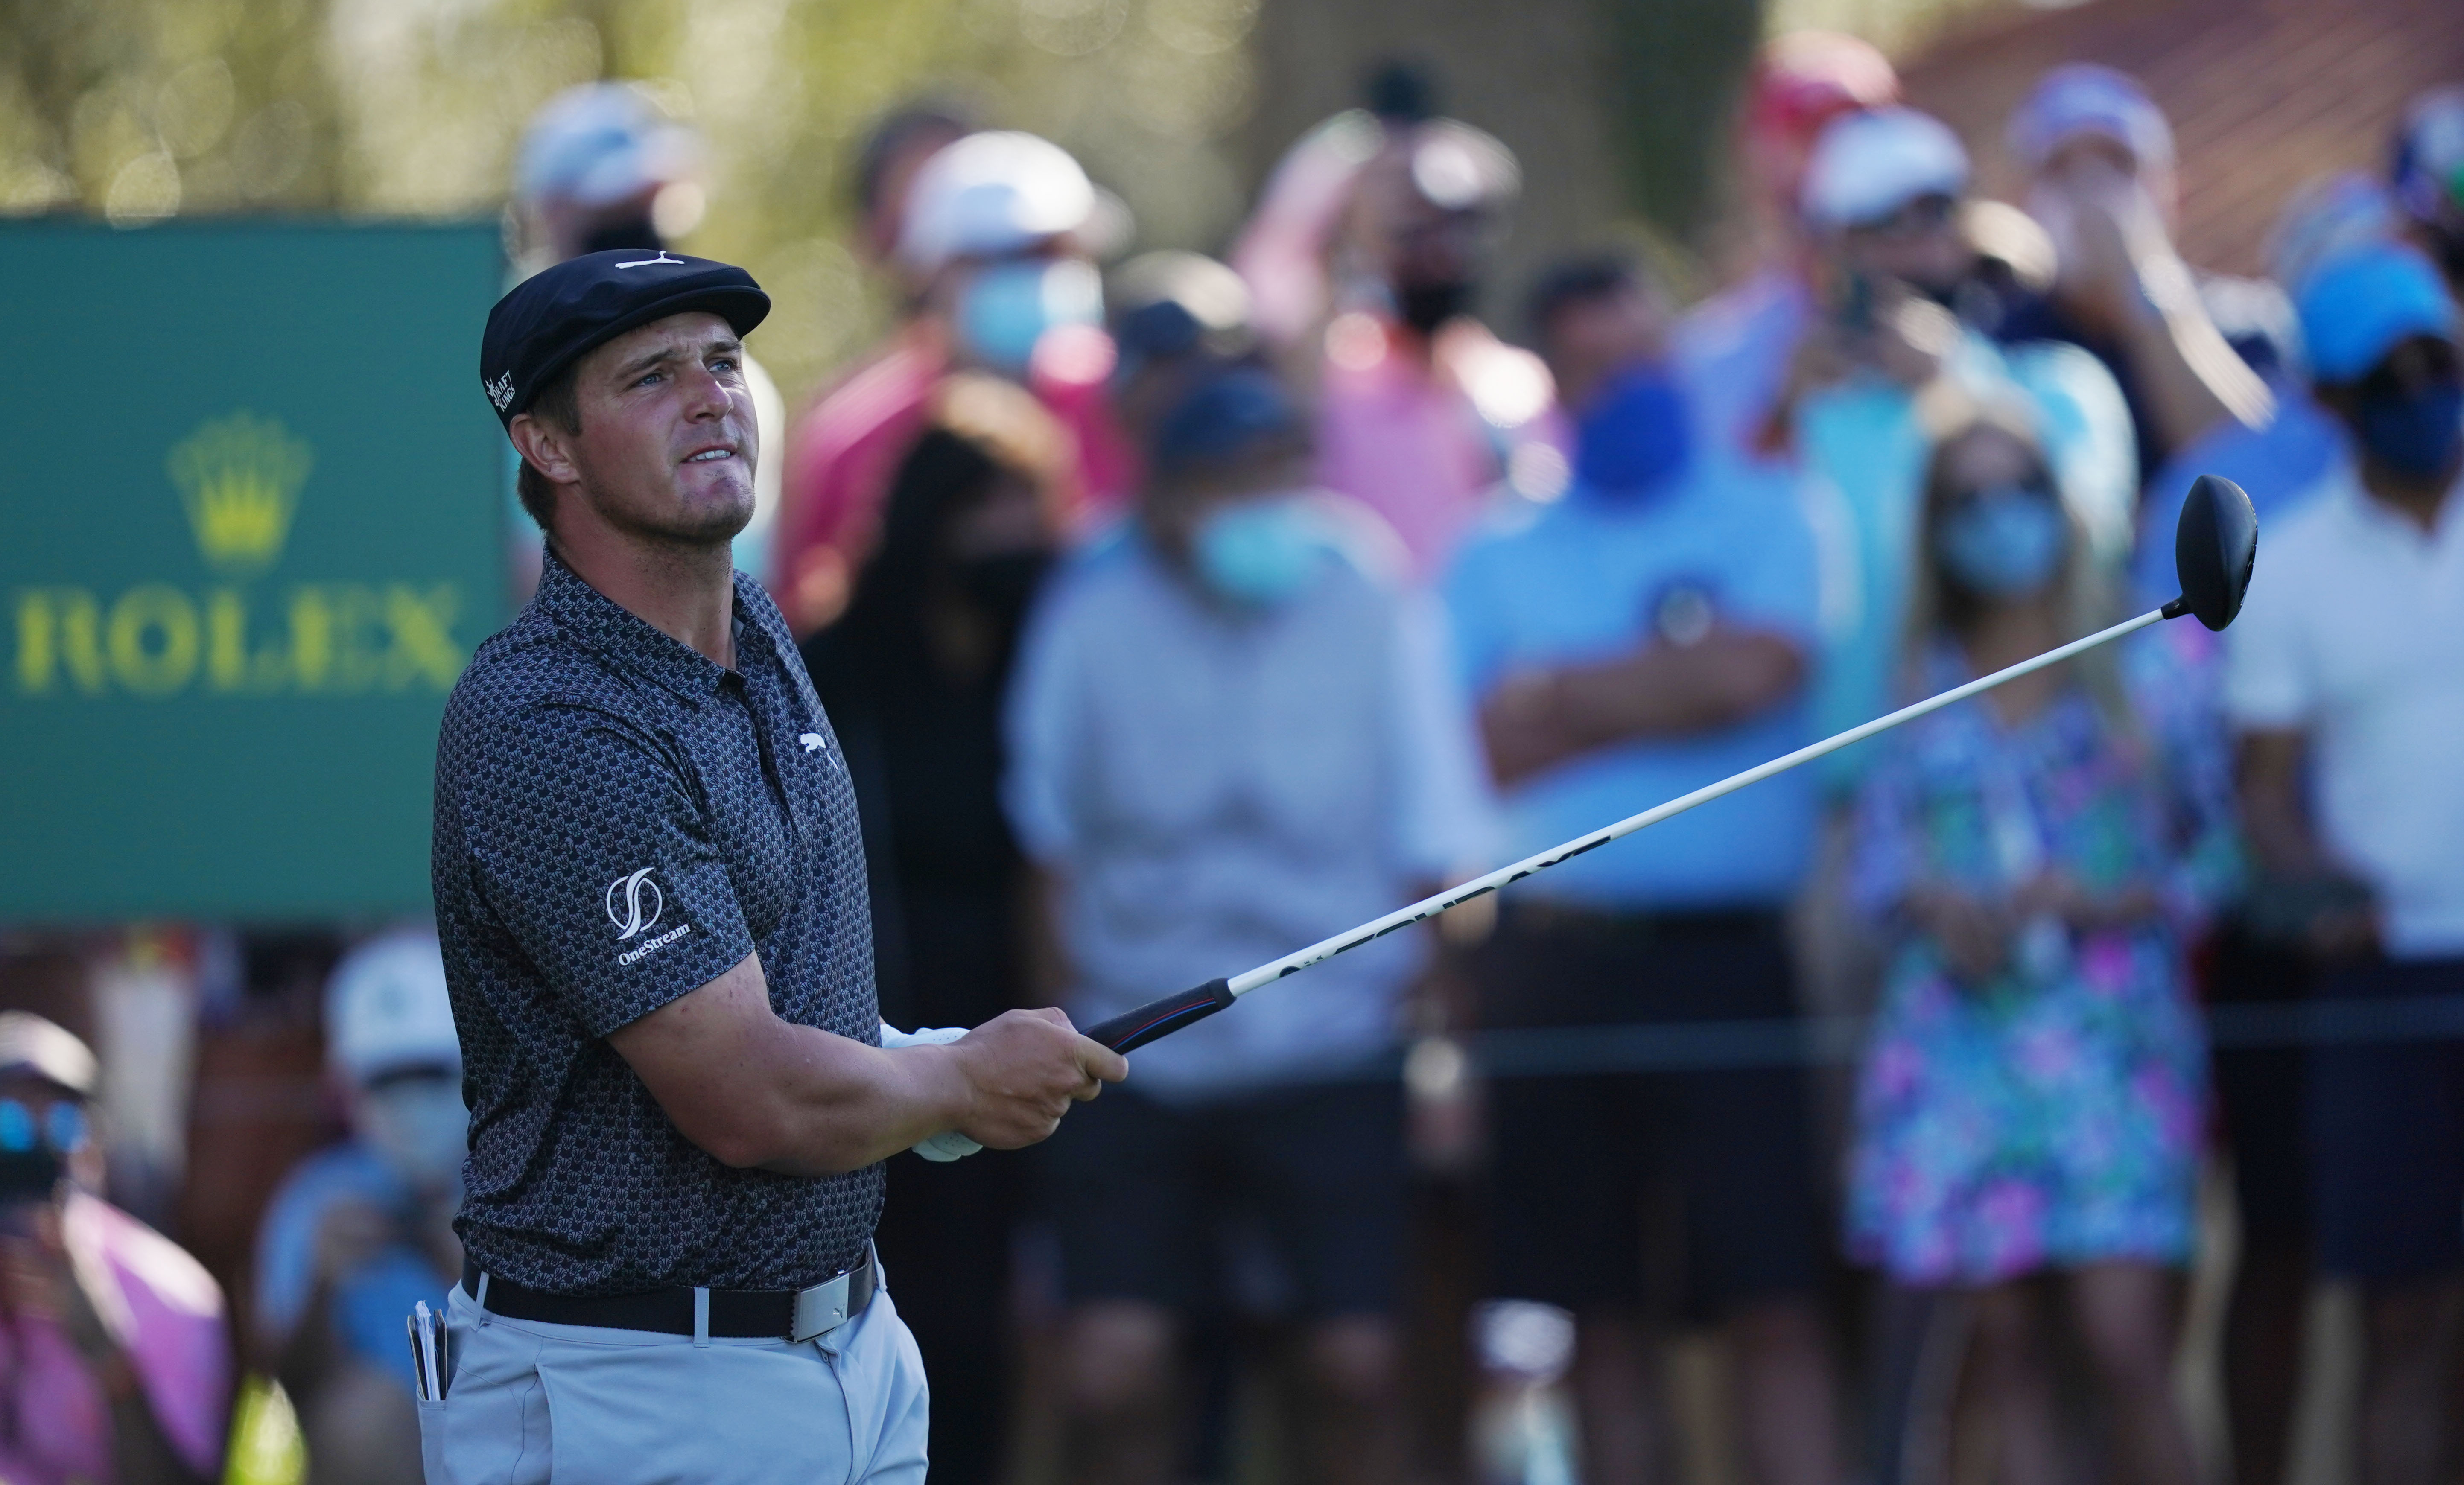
point(913, 677)
point(2031, 1102)
point(114, 1357)
point(1735, 347)
point(602, 165)
point(2344, 680)
point(1881, 201)
point(995, 235)
point(1365, 260)
point(2189, 349)
point(2429, 179)
point(360, 1232)
point(1232, 734)
point(1644, 634)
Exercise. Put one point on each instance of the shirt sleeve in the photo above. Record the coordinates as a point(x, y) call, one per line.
point(589, 841)
point(2267, 682)
point(1445, 814)
point(1041, 719)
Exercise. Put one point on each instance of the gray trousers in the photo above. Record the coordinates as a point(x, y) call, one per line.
point(533, 1403)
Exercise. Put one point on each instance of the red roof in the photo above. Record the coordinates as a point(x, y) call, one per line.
point(2264, 95)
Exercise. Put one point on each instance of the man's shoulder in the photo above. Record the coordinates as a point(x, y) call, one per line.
point(533, 678)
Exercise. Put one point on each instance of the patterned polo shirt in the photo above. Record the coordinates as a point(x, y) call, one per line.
point(618, 822)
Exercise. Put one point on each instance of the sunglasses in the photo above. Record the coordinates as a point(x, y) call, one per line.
point(1927, 213)
point(2424, 360)
point(60, 1127)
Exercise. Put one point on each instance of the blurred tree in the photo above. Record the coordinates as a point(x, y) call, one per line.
point(139, 110)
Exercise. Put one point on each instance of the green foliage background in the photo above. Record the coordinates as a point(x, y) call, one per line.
point(138, 109)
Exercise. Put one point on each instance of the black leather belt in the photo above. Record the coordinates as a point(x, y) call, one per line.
point(733, 1314)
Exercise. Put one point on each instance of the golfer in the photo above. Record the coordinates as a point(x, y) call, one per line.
point(650, 892)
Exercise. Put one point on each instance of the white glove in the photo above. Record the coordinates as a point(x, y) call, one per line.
point(949, 1145)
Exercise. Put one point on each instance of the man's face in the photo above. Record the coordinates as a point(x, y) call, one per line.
point(1590, 339)
point(1919, 245)
point(667, 444)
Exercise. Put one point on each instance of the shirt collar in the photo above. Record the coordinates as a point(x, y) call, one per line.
point(606, 626)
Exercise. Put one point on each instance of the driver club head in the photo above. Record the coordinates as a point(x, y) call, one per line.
point(2214, 545)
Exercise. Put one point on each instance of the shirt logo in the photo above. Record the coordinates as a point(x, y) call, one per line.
point(648, 262)
point(812, 742)
point(502, 390)
point(629, 917)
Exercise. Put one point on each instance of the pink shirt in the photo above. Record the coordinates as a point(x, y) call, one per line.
point(844, 453)
point(1424, 442)
point(168, 1311)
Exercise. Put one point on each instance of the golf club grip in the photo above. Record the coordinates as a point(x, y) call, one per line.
point(1157, 1018)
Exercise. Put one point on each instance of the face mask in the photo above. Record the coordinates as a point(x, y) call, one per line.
point(34, 1148)
point(2005, 543)
point(630, 232)
point(2416, 434)
point(1002, 583)
point(1633, 434)
point(1259, 552)
point(419, 1126)
point(1424, 306)
point(1006, 307)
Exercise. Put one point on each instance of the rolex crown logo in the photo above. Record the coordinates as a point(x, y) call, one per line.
point(239, 478)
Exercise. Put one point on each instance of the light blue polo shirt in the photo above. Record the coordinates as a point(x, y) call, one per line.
point(1580, 580)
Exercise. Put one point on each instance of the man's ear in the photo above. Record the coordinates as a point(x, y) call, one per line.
point(545, 447)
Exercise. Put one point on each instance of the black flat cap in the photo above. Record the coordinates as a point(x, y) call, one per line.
point(556, 316)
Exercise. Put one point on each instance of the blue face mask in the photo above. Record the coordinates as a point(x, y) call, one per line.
point(2007, 542)
point(1259, 552)
point(1006, 307)
point(2418, 434)
point(1634, 433)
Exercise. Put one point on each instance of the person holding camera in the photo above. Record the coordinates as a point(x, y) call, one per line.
point(112, 1360)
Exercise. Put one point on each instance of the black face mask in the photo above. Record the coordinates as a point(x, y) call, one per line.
point(633, 233)
point(1002, 585)
point(1424, 306)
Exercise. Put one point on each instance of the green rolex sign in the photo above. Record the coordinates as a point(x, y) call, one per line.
point(251, 529)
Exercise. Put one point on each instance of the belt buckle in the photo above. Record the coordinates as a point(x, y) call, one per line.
point(821, 1309)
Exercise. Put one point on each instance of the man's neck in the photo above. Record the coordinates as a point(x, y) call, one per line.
point(687, 593)
point(2418, 501)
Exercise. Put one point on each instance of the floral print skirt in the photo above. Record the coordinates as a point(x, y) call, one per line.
point(2038, 1122)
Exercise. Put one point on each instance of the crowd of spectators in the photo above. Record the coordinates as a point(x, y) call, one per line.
point(1180, 613)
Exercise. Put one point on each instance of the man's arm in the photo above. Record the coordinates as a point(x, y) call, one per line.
point(1535, 721)
point(755, 1091)
point(2267, 774)
point(2276, 819)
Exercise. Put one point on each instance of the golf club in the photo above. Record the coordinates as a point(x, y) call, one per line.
point(2215, 544)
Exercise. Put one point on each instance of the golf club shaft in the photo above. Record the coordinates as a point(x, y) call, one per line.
point(1161, 1017)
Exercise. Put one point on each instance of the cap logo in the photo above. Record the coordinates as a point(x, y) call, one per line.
point(502, 390)
point(648, 262)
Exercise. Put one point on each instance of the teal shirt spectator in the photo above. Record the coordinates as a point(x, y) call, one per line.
point(1581, 581)
point(1865, 446)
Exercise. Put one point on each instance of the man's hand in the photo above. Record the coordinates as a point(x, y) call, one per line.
point(753, 1090)
point(1022, 1070)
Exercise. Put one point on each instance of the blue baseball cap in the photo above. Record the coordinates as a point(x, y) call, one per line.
point(562, 314)
point(2361, 304)
point(1226, 418)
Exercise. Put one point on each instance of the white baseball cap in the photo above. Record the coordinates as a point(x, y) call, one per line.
point(597, 143)
point(386, 1008)
point(1866, 166)
point(992, 193)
